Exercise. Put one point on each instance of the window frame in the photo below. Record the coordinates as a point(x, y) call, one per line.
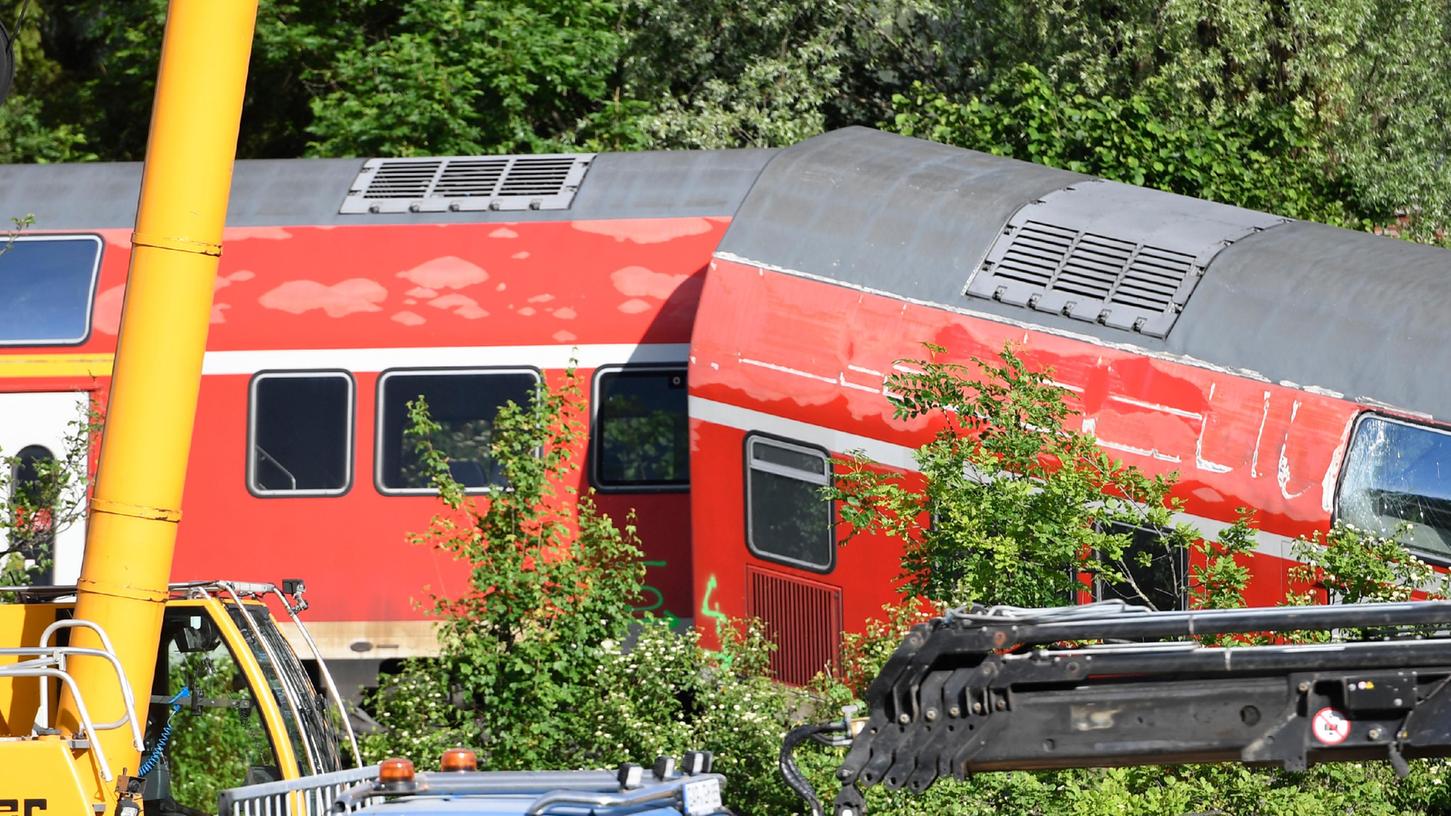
point(380, 394)
point(595, 439)
point(1434, 559)
point(229, 640)
point(90, 296)
point(1182, 591)
point(799, 447)
point(350, 454)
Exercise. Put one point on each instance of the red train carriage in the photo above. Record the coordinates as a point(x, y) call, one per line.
point(1272, 364)
point(1287, 367)
point(347, 288)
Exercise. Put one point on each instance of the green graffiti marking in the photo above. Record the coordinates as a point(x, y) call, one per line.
point(659, 604)
point(712, 612)
point(651, 591)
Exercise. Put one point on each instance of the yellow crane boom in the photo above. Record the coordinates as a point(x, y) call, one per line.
point(176, 246)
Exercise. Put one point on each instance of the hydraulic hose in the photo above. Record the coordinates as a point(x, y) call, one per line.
point(154, 758)
point(794, 778)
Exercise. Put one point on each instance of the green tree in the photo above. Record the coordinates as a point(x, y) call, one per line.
point(1014, 506)
point(544, 662)
point(1266, 160)
point(1347, 100)
point(42, 496)
point(27, 132)
point(1359, 86)
point(747, 74)
point(551, 579)
point(994, 480)
point(470, 77)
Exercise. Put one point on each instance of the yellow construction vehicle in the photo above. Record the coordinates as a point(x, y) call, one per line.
point(226, 680)
point(94, 678)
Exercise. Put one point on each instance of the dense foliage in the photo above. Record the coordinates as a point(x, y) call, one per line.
point(1015, 506)
point(1331, 109)
point(545, 664)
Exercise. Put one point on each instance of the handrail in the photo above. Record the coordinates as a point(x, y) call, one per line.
point(316, 794)
point(327, 676)
point(49, 662)
point(549, 788)
point(53, 657)
point(273, 459)
point(127, 698)
point(87, 727)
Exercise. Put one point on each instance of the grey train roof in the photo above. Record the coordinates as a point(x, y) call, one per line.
point(1299, 302)
point(1357, 314)
point(283, 192)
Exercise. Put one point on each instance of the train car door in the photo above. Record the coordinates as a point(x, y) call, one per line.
point(34, 427)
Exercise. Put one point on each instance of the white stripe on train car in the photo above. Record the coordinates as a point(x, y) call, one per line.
point(901, 457)
point(584, 355)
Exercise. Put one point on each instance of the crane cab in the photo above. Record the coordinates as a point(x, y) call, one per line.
point(230, 704)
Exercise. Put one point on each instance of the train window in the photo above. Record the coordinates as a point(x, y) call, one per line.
point(641, 435)
point(1156, 571)
point(301, 433)
point(464, 404)
point(32, 508)
point(787, 520)
point(47, 284)
point(1399, 474)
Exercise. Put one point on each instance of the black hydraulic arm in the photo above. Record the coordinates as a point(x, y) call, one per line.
point(1011, 689)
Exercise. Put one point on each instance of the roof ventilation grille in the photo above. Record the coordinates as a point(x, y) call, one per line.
point(467, 184)
point(1124, 257)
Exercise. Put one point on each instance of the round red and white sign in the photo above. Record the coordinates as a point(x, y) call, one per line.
point(1330, 726)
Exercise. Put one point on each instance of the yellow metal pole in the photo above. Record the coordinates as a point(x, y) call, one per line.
point(176, 245)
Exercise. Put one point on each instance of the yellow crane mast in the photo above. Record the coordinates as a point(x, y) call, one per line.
point(79, 677)
point(175, 250)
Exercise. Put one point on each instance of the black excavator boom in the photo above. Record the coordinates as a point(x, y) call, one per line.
point(1016, 689)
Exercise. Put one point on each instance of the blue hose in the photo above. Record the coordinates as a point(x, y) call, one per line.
point(154, 758)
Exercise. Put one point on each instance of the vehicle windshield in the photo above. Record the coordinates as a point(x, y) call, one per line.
point(1398, 475)
point(318, 752)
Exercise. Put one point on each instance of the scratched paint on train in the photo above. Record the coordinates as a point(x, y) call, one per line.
point(820, 354)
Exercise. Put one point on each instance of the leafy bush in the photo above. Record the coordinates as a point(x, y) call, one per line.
point(550, 580)
point(544, 662)
point(1014, 506)
point(41, 497)
point(1266, 160)
point(989, 525)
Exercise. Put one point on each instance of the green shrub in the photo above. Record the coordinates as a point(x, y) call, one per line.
point(544, 662)
point(1014, 506)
